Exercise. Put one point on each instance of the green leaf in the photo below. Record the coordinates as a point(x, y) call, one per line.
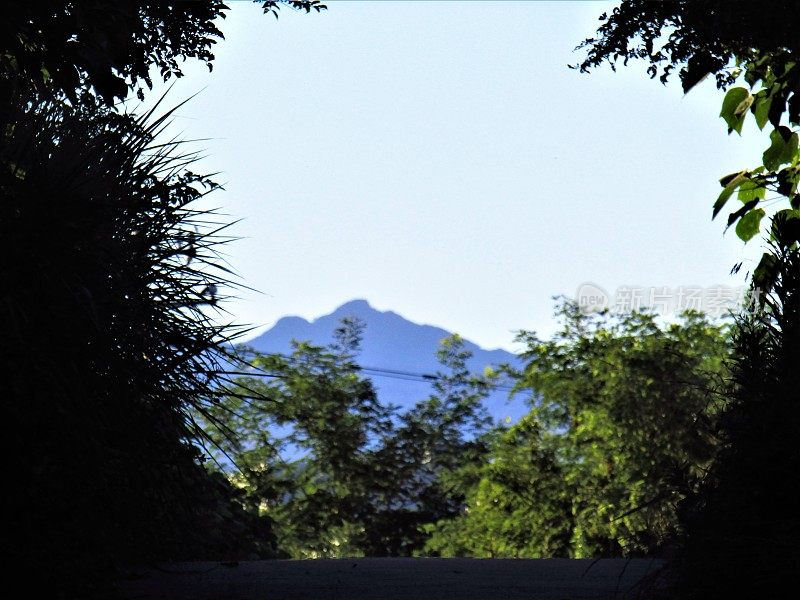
point(783, 148)
point(761, 107)
point(742, 108)
point(732, 177)
point(721, 200)
point(734, 108)
point(751, 190)
point(730, 183)
point(750, 224)
point(732, 218)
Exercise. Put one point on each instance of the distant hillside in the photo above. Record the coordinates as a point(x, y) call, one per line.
point(391, 343)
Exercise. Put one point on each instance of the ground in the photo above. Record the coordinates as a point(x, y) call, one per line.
point(395, 579)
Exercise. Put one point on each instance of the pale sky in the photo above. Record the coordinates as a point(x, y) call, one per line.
point(440, 160)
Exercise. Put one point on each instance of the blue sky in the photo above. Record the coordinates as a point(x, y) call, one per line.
point(440, 160)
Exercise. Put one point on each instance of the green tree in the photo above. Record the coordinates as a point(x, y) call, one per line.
point(299, 435)
point(740, 525)
point(518, 506)
point(620, 429)
point(428, 461)
point(337, 472)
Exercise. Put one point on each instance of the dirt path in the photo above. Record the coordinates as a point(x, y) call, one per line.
point(393, 578)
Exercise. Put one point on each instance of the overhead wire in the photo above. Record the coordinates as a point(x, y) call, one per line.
point(376, 371)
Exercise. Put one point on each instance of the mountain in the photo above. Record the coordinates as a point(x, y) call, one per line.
point(391, 343)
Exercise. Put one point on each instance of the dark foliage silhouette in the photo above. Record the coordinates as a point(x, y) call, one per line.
point(109, 47)
point(698, 37)
point(743, 525)
point(107, 272)
point(110, 277)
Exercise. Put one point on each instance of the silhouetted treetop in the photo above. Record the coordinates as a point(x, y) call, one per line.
point(110, 47)
point(699, 36)
point(732, 40)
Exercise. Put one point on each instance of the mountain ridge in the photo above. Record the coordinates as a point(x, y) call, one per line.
point(390, 342)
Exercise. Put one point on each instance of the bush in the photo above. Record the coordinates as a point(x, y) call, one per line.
point(108, 278)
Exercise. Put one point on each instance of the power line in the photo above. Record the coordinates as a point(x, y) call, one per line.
point(377, 371)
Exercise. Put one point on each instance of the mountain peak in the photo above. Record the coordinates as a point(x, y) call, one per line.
point(391, 343)
point(354, 307)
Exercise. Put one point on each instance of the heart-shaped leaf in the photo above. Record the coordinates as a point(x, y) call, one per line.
point(734, 108)
point(750, 224)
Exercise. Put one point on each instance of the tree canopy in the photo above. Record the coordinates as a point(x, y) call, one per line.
point(621, 427)
point(623, 422)
point(336, 471)
point(698, 37)
point(740, 525)
point(730, 40)
point(109, 47)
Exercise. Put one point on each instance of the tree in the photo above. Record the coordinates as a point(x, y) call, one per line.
point(337, 472)
point(108, 279)
point(429, 460)
point(298, 431)
point(699, 37)
point(518, 506)
point(108, 47)
point(742, 524)
point(730, 39)
point(621, 427)
point(740, 528)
